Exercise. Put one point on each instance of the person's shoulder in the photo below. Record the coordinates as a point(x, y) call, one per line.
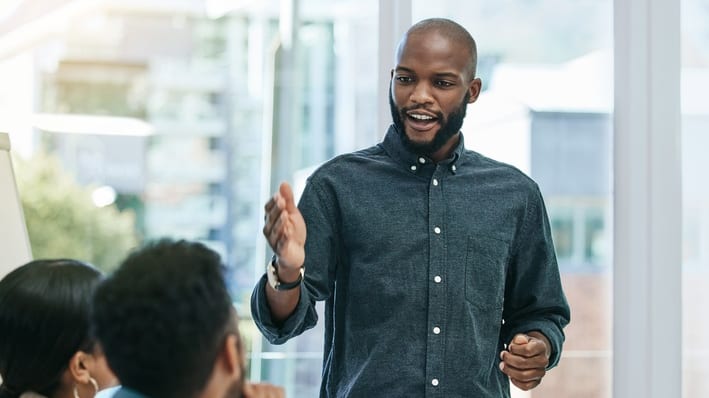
point(348, 161)
point(108, 392)
point(119, 392)
point(498, 169)
point(359, 156)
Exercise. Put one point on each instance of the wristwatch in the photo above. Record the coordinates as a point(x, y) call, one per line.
point(276, 284)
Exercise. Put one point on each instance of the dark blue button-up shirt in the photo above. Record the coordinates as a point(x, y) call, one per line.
point(427, 269)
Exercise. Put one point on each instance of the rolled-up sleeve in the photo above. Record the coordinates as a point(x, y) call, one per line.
point(320, 253)
point(303, 318)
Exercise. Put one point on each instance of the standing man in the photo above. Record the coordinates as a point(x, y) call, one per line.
point(436, 263)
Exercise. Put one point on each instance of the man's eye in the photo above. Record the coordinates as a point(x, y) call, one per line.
point(443, 83)
point(404, 79)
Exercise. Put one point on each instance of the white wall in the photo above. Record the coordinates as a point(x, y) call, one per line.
point(14, 243)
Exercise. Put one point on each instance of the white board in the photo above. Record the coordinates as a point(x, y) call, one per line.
point(14, 242)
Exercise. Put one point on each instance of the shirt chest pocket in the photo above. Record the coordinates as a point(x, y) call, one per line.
point(485, 270)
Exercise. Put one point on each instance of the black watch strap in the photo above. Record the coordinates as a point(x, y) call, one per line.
point(275, 282)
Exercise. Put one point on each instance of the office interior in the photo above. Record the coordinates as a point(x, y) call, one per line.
point(179, 118)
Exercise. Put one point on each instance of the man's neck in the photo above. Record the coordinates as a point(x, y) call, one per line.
point(446, 150)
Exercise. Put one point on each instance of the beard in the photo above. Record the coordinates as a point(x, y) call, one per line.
point(450, 126)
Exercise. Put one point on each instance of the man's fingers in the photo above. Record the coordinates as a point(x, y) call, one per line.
point(262, 390)
point(273, 229)
point(274, 212)
point(287, 194)
point(524, 369)
point(269, 205)
point(524, 362)
point(278, 232)
point(284, 227)
point(526, 385)
point(520, 339)
point(523, 375)
point(531, 348)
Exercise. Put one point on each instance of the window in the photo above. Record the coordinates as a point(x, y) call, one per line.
point(695, 195)
point(232, 98)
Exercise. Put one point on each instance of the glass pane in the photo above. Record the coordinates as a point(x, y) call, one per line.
point(169, 116)
point(546, 68)
point(319, 111)
point(695, 195)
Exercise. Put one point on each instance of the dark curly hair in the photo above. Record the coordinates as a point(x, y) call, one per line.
point(162, 316)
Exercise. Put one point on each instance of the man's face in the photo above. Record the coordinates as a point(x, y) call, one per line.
point(430, 90)
point(449, 127)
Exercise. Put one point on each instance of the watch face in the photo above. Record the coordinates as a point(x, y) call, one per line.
point(272, 277)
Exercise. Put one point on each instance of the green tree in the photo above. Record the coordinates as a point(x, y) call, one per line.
point(62, 220)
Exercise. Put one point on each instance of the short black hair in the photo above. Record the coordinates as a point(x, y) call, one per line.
point(162, 316)
point(44, 321)
point(452, 30)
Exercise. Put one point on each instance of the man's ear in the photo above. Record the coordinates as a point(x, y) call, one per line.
point(231, 356)
point(78, 367)
point(474, 88)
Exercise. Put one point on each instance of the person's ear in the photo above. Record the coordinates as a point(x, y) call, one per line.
point(231, 355)
point(78, 370)
point(474, 88)
point(78, 367)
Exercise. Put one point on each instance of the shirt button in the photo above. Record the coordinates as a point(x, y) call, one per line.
point(437, 279)
point(453, 167)
point(435, 182)
point(437, 230)
point(436, 330)
point(434, 382)
point(422, 160)
point(413, 167)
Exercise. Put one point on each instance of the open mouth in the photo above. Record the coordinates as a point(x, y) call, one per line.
point(421, 120)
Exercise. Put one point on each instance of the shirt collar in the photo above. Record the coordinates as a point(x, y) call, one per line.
point(394, 146)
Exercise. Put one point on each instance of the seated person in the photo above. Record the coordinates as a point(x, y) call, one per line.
point(168, 327)
point(45, 347)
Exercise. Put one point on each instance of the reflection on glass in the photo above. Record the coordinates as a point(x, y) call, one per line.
point(562, 225)
point(547, 71)
point(594, 237)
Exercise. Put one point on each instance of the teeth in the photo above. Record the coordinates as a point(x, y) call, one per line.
point(420, 117)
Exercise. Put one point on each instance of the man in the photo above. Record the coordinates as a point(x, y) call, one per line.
point(436, 263)
point(168, 328)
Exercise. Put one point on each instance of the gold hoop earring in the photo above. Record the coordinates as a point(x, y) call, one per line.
point(93, 383)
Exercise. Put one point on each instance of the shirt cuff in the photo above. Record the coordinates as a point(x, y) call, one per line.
point(303, 317)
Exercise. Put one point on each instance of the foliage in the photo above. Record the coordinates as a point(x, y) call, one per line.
point(62, 220)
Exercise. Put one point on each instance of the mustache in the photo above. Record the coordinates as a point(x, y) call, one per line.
point(404, 110)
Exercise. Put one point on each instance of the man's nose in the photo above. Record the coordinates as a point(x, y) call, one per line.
point(421, 93)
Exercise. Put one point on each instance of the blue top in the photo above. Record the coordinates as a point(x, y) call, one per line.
point(124, 392)
point(107, 392)
point(427, 270)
